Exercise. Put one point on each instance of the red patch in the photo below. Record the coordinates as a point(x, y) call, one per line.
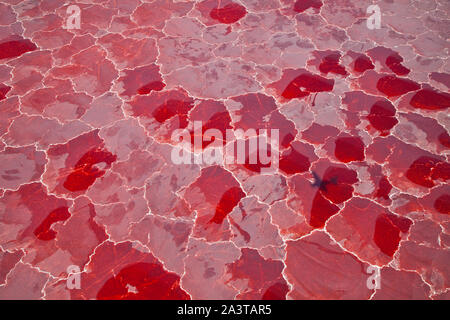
point(393, 86)
point(394, 62)
point(349, 149)
point(15, 48)
point(303, 5)
point(363, 63)
point(384, 188)
point(85, 172)
point(425, 170)
point(44, 231)
point(308, 82)
point(387, 235)
point(229, 200)
point(330, 64)
point(442, 204)
point(3, 91)
point(321, 211)
point(292, 162)
point(230, 13)
point(430, 100)
point(143, 281)
point(382, 116)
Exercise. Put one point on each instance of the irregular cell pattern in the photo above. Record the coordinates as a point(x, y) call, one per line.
point(92, 91)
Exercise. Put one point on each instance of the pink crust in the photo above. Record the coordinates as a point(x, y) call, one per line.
point(88, 181)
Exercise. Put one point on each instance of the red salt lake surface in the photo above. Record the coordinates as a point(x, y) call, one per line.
point(87, 178)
